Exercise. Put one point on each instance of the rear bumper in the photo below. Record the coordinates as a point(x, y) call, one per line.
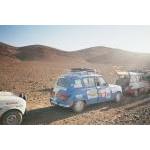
point(130, 91)
point(55, 102)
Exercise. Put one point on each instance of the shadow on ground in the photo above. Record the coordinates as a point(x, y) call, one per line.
point(48, 115)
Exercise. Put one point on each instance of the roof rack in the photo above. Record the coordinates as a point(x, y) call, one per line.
point(82, 69)
point(136, 70)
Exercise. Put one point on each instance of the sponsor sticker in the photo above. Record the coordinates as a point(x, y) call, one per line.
point(92, 93)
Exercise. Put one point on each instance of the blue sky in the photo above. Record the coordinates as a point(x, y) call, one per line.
point(131, 38)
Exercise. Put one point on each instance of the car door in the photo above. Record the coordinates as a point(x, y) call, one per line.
point(91, 90)
point(104, 92)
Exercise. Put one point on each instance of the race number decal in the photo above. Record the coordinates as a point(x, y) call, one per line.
point(105, 93)
point(102, 93)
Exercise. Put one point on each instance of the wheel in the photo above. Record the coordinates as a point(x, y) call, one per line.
point(136, 93)
point(118, 97)
point(12, 117)
point(78, 106)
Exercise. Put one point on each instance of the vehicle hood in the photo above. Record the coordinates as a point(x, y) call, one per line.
point(8, 96)
point(2, 93)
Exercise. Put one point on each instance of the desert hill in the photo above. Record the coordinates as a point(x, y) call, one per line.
point(93, 55)
point(30, 53)
point(7, 50)
point(105, 55)
point(38, 52)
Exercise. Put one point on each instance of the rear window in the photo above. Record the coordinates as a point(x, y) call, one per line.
point(77, 83)
point(63, 82)
point(135, 79)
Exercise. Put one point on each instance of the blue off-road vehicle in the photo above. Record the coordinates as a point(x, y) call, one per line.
point(81, 87)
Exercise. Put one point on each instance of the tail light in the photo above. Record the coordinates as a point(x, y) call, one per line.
point(62, 96)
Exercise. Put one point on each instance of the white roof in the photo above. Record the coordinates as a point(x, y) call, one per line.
point(122, 73)
point(128, 73)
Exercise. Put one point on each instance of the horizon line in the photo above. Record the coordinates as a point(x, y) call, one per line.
point(96, 46)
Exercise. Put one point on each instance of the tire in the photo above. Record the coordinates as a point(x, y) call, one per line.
point(78, 106)
point(12, 117)
point(118, 97)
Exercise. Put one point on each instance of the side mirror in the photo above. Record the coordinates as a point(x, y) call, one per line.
point(105, 84)
point(97, 84)
point(51, 91)
point(22, 95)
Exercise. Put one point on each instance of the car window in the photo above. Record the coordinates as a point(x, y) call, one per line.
point(97, 81)
point(100, 81)
point(77, 83)
point(134, 78)
point(89, 82)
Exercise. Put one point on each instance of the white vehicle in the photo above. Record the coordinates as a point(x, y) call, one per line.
point(133, 83)
point(12, 108)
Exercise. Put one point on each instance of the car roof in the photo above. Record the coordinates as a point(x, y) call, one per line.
point(129, 73)
point(80, 74)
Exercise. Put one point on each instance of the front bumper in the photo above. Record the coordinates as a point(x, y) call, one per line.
point(59, 103)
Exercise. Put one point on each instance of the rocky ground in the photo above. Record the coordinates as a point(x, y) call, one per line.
point(35, 79)
point(128, 111)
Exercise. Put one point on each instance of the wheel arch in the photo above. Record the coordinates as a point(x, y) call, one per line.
point(80, 100)
point(119, 92)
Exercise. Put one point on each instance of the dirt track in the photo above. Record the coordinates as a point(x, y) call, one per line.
point(124, 112)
